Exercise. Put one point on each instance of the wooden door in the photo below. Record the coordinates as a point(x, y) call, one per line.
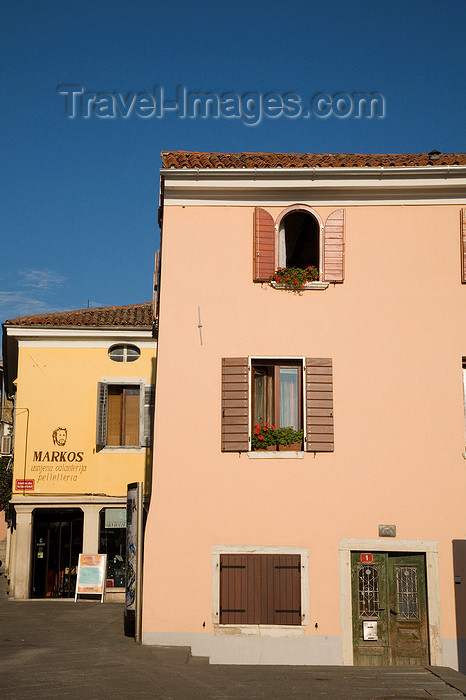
point(389, 604)
point(408, 610)
point(369, 593)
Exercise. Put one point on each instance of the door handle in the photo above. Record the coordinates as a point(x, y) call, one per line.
point(393, 612)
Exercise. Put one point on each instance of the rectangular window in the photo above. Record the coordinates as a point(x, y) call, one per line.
point(124, 414)
point(260, 589)
point(277, 393)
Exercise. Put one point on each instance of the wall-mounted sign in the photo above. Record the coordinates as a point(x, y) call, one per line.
point(115, 517)
point(24, 484)
point(91, 575)
point(58, 465)
point(367, 558)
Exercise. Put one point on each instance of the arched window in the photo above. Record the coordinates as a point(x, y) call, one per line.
point(299, 240)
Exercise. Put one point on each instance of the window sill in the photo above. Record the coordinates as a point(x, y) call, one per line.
point(259, 630)
point(108, 449)
point(263, 454)
point(307, 286)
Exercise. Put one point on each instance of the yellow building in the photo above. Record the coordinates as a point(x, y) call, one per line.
point(83, 387)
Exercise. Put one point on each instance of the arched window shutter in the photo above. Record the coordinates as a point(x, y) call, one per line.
point(264, 245)
point(463, 245)
point(334, 247)
point(319, 404)
point(235, 404)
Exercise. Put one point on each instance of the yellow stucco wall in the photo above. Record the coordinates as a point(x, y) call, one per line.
point(57, 388)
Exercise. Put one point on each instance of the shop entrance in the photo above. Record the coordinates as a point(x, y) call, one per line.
point(57, 541)
point(389, 609)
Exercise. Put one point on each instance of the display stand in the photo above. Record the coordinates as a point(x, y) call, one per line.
point(91, 576)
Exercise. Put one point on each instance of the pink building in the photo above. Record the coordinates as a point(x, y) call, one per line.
point(346, 546)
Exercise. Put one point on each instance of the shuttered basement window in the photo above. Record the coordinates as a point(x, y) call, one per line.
point(264, 245)
point(334, 247)
point(260, 589)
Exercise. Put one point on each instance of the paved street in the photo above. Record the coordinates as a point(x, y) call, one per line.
point(53, 648)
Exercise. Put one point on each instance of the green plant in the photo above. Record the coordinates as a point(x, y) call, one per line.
point(263, 436)
point(6, 481)
point(295, 277)
point(287, 436)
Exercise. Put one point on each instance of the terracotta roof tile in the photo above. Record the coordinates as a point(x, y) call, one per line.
point(134, 315)
point(187, 159)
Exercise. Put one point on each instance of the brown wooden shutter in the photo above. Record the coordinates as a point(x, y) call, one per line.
point(463, 244)
point(264, 245)
point(260, 589)
point(334, 247)
point(235, 403)
point(319, 405)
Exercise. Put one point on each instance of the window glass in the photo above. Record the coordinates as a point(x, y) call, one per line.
point(277, 393)
point(112, 542)
point(289, 397)
point(124, 353)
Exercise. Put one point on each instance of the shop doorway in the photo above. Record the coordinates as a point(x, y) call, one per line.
point(389, 603)
point(57, 541)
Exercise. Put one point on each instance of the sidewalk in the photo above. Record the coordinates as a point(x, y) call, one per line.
point(55, 648)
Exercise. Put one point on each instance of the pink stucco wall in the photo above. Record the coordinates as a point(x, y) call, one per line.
point(395, 331)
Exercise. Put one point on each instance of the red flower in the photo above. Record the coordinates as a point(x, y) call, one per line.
point(272, 427)
point(261, 437)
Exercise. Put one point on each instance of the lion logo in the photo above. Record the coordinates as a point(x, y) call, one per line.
point(59, 436)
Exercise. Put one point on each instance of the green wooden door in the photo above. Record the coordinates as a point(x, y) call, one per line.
point(389, 609)
point(369, 599)
point(408, 610)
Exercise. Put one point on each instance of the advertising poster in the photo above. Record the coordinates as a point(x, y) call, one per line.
point(91, 575)
point(133, 561)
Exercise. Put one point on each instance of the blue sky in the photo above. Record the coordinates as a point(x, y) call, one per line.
point(79, 196)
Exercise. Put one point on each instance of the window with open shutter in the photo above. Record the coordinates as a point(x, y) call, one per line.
point(125, 414)
point(276, 396)
point(260, 589)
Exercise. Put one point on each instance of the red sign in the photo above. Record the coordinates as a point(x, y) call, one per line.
point(366, 558)
point(24, 485)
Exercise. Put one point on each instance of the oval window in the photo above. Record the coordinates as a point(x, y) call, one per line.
point(124, 353)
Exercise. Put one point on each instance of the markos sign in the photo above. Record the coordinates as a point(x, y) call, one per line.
point(58, 465)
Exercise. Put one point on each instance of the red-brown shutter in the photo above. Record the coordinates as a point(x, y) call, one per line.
point(463, 244)
point(260, 589)
point(334, 247)
point(235, 402)
point(319, 404)
point(264, 245)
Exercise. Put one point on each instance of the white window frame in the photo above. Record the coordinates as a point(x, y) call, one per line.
point(129, 381)
point(125, 347)
point(260, 630)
